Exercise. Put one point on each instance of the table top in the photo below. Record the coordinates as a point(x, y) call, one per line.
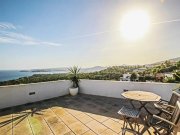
point(141, 96)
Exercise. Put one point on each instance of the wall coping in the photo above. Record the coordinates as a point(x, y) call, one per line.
point(131, 82)
point(16, 85)
point(89, 80)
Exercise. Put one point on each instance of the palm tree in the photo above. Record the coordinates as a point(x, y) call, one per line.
point(74, 71)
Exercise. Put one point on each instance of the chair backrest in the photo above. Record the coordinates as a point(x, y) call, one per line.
point(176, 113)
point(174, 98)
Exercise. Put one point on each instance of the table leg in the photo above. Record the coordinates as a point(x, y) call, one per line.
point(143, 105)
point(144, 119)
point(131, 102)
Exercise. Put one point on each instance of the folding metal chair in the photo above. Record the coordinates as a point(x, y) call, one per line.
point(130, 117)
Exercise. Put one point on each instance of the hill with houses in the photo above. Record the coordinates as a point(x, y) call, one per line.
point(166, 71)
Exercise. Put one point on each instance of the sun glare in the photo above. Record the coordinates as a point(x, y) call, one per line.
point(134, 25)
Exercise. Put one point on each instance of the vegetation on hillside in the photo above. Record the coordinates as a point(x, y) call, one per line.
point(111, 73)
point(166, 67)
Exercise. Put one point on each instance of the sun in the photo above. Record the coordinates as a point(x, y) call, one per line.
point(134, 25)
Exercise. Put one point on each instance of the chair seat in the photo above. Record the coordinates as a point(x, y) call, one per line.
point(163, 107)
point(128, 112)
point(160, 106)
point(158, 123)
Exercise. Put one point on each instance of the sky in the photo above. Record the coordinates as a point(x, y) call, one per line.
point(86, 33)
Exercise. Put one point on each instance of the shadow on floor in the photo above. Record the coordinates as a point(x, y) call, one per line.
point(99, 105)
point(18, 114)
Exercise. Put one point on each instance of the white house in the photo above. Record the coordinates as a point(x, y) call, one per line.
point(168, 75)
point(126, 77)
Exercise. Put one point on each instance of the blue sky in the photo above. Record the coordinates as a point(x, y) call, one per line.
point(63, 33)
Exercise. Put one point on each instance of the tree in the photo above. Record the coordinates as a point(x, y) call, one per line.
point(178, 64)
point(167, 63)
point(133, 76)
point(177, 76)
point(142, 79)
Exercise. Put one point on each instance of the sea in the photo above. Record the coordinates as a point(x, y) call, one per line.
point(6, 75)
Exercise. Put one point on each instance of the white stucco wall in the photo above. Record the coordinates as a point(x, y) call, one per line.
point(115, 88)
point(19, 94)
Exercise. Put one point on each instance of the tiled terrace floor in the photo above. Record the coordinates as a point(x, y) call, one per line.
point(67, 115)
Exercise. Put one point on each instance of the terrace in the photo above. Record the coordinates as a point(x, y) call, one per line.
point(62, 114)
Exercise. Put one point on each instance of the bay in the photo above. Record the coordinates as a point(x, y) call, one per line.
point(6, 75)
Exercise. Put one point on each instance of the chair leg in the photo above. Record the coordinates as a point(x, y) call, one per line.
point(136, 123)
point(169, 131)
point(124, 126)
point(156, 131)
point(123, 132)
point(132, 128)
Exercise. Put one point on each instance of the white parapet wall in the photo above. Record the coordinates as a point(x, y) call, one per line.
point(115, 88)
point(26, 93)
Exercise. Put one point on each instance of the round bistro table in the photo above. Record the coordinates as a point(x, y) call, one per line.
point(142, 97)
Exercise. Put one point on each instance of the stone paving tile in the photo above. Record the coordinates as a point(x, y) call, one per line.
point(89, 133)
point(53, 119)
point(6, 124)
point(128, 133)
point(84, 118)
point(37, 122)
point(121, 122)
point(48, 113)
point(60, 111)
point(39, 126)
point(78, 128)
point(67, 115)
point(147, 131)
point(74, 112)
point(69, 119)
point(118, 120)
point(59, 128)
point(21, 124)
point(108, 132)
point(99, 118)
point(50, 117)
point(177, 129)
point(96, 126)
point(23, 129)
point(143, 130)
point(115, 126)
point(69, 133)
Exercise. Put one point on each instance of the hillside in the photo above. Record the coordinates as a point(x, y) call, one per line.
point(160, 62)
point(112, 73)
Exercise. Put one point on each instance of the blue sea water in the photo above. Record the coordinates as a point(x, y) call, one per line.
point(12, 74)
point(6, 75)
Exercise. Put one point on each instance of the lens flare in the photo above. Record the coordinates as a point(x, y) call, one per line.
point(134, 25)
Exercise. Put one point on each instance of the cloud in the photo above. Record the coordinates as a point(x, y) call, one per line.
point(6, 25)
point(110, 31)
point(9, 35)
point(168, 21)
point(90, 34)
